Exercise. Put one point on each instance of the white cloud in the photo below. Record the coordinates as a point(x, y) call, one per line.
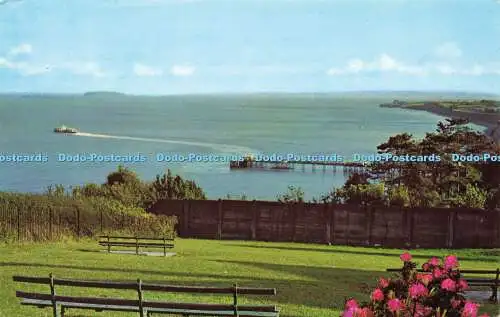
point(475, 70)
point(144, 70)
point(355, 65)
point(182, 70)
point(2, 2)
point(83, 68)
point(448, 50)
point(384, 63)
point(28, 68)
point(24, 68)
point(21, 49)
point(446, 69)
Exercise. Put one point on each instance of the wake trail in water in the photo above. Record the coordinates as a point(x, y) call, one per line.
point(224, 148)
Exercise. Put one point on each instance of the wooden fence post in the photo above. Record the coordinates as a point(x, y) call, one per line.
point(411, 212)
point(332, 224)
point(347, 232)
point(497, 228)
point(327, 216)
point(219, 219)
point(185, 217)
point(53, 294)
point(254, 221)
point(78, 223)
point(164, 247)
point(451, 228)
point(51, 217)
point(369, 225)
point(136, 245)
point(235, 300)
point(101, 222)
point(141, 299)
point(18, 225)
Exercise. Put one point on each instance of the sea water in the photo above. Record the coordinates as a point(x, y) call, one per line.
point(211, 129)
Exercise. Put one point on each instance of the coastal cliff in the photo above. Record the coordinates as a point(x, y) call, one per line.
point(485, 112)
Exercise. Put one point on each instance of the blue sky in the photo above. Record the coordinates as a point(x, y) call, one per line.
point(207, 46)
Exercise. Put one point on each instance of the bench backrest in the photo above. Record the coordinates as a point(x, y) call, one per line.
point(486, 272)
point(137, 242)
point(114, 238)
point(139, 286)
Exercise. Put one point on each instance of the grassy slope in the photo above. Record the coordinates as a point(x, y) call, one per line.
point(312, 280)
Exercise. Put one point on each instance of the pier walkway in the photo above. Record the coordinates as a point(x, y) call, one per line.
point(347, 167)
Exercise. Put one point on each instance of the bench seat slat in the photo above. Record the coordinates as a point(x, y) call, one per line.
point(133, 238)
point(46, 303)
point(479, 280)
point(147, 286)
point(133, 244)
point(461, 271)
point(146, 304)
point(226, 313)
point(242, 313)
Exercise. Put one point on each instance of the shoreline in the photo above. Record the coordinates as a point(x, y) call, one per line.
point(488, 120)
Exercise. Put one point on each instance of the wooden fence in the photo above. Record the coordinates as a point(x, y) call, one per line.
point(335, 224)
point(49, 224)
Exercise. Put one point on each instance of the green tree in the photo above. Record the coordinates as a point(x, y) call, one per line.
point(167, 186)
point(293, 194)
point(438, 183)
point(399, 196)
point(474, 197)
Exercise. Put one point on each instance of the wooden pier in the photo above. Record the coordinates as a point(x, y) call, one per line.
point(347, 168)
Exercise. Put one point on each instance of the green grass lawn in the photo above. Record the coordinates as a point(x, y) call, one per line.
point(311, 280)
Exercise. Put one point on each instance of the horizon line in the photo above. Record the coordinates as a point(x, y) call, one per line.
point(246, 93)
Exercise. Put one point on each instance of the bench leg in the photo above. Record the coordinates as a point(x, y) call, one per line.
point(63, 310)
point(494, 292)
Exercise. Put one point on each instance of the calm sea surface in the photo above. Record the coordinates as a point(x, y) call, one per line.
point(220, 125)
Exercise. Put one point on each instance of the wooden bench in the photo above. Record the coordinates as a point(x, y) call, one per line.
point(137, 243)
point(139, 305)
point(493, 283)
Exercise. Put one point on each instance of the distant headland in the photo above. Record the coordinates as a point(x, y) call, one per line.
point(484, 112)
point(104, 94)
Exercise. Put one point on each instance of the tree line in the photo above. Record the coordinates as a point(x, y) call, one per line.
point(411, 184)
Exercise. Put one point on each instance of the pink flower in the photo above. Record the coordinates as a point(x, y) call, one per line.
point(352, 303)
point(449, 285)
point(418, 290)
point(425, 278)
point(363, 312)
point(425, 267)
point(450, 262)
point(455, 303)
point(383, 282)
point(405, 257)
point(462, 285)
point(434, 261)
point(395, 305)
point(470, 309)
point(357, 312)
point(348, 312)
point(377, 295)
point(437, 272)
point(422, 311)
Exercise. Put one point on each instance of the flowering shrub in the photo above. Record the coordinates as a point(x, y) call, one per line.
point(437, 292)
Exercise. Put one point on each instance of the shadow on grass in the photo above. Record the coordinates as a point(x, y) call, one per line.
point(486, 256)
point(316, 287)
